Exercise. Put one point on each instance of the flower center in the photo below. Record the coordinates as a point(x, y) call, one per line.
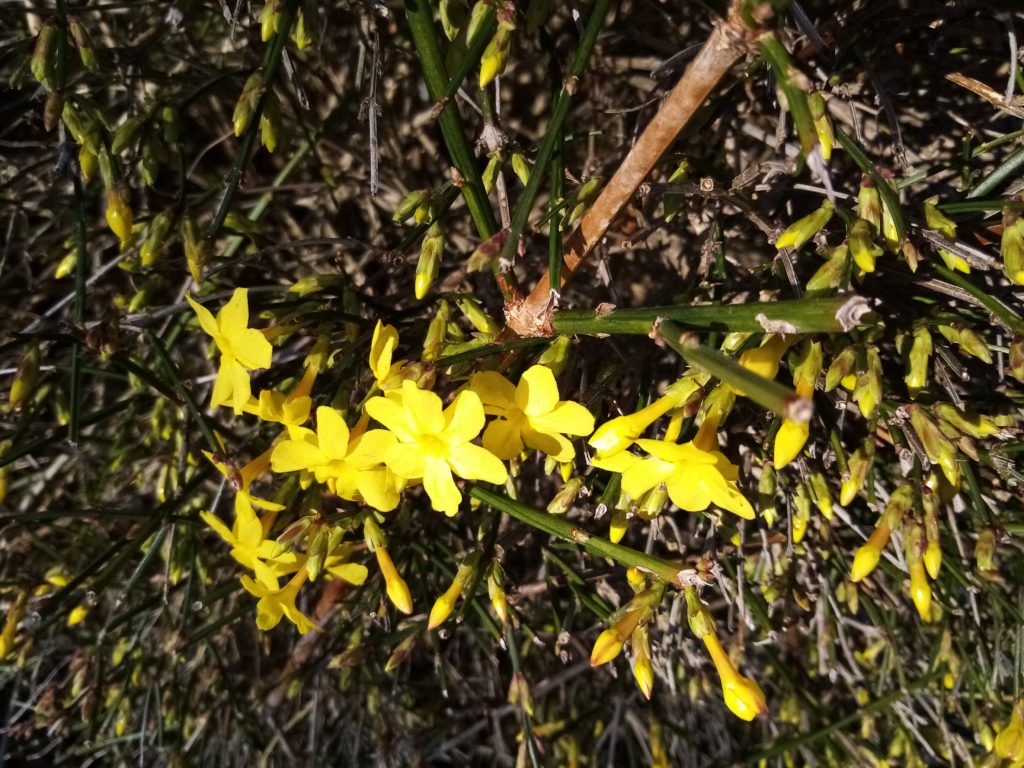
point(433, 445)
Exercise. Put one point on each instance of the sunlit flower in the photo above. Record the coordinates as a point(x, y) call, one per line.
point(382, 350)
point(351, 467)
point(242, 349)
point(275, 603)
point(248, 536)
point(289, 410)
point(619, 433)
point(529, 414)
point(694, 478)
point(434, 444)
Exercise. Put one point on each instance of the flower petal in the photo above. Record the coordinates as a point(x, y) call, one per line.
point(493, 389)
point(644, 475)
point(440, 486)
point(537, 392)
point(376, 489)
point(367, 451)
point(241, 388)
point(687, 494)
point(294, 455)
point(222, 386)
point(464, 418)
point(218, 525)
point(567, 417)
point(234, 316)
point(618, 462)
point(392, 415)
point(353, 573)
point(382, 348)
point(503, 438)
point(423, 409)
point(251, 348)
point(475, 463)
point(332, 433)
point(206, 319)
point(551, 443)
point(405, 460)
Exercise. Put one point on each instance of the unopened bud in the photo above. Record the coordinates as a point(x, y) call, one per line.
point(862, 246)
point(985, 550)
point(155, 238)
point(822, 123)
point(409, 204)
point(869, 203)
point(920, 353)
point(197, 249)
point(300, 34)
point(937, 446)
point(643, 670)
point(25, 379)
point(429, 264)
point(270, 122)
point(495, 56)
point(1011, 248)
point(44, 56)
point(127, 134)
point(520, 167)
point(802, 230)
point(247, 102)
point(119, 214)
point(566, 496)
point(269, 19)
point(700, 621)
point(397, 589)
point(767, 487)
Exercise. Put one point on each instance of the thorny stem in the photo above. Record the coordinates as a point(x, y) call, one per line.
point(725, 45)
point(666, 570)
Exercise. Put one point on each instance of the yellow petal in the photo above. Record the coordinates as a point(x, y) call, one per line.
point(353, 573)
point(464, 418)
point(504, 439)
point(234, 316)
point(493, 389)
point(537, 393)
point(440, 486)
point(406, 460)
point(392, 415)
point(382, 348)
point(218, 525)
point(475, 463)
point(294, 455)
point(368, 449)
point(423, 409)
point(206, 320)
point(789, 441)
point(332, 433)
point(240, 385)
point(566, 417)
point(251, 348)
point(687, 494)
point(222, 386)
point(617, 462)
point(377, 490)
point(644, 475)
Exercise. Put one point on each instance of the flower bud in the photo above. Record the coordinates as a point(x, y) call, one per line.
point(643, 670)
point(916, 378)
point(87, 164)
point(86, 50)
point(44, 56)
point(444, 605)
point(985, 550)
point(799, 232)
point(920, 590)
point(578, 201)
point(801, 512)
point(866, 559)
point(672, 202)
point(700, 621)
point(496, 592)
point(765, 359)
point(742, 696)
point(127, 134)
point(868, 390)
point(269, 19)
point(429, 263)
point(936, 220)
point(483, 322)
point(767, 487)
point(66, 265)
point(397, 589)
point(247, 102)
point(270, 122)
point(830, 274)
point(938, 447)
point(197, 250)
point(409, 204)
point(520, 167)
point(300, 34)
point(841, 367)
point(1009, 742)
point(1011, 248)
point(556, 356)
point(25, 379)
point(869, 203)
point(119, 214)
point(609, 643)
point(495, 56)
point(155, 238)
point(566, 496)
point(862, 246)
point(820, 494)
point(618, 434)
point(401, 652)
point(858, 465)
point(822, 123)
point(653, 502)
point(519, 693)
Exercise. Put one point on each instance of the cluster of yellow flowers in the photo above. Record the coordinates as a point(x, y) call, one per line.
point(402, 436)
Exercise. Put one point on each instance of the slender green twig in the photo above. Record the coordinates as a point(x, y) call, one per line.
point(543, 521)
point(271, 62)
point(184, 392)
point(1005, 315)
point(795, 316)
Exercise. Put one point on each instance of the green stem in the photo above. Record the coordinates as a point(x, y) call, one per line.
point(553, 135)
point(184, 392)
point(484, 33)
point(769, 394)
point(1007, 316)
point(424, 38)
point(885, 190)
point(271, 61)
point(555, 526)
point(796, 98)
point(1005, 170)
point(798, 316)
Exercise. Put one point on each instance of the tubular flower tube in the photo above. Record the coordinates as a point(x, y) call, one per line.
point(620, 433)
point(241, 348)
point(445, 604)
point(743, 696)
point(694, 478)
point(530, 415)
point(397, 589)
point(609, 643)
point(434, 444)
point(868, 555)
point(792, 435)
point(716, 407)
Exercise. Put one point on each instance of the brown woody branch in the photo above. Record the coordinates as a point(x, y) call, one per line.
point(728, 41)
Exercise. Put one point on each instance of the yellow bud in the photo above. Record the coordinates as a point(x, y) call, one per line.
point(429, 263)
point(643, 670)
point(1009, 742)
point(476, 315)
point(916, 378)
point(300, 35)
point(618, 434)
point(617, 526)
point(799, 232)
point(77, 615)
point(985, 549)
point(859, 465)
point(119, 214)
point(932, 559)
point(25, 378)
point(520, 167)
point(609, 643)
point(867, 557)
point(397, 589)
point(742, 696)
point(862, 247)
point(499, 600)
point(1011, 248)
point(566, 496)
point(920, 590)
point(765, 360)
point(789, 441)
point(409, 204)
point(495, 56)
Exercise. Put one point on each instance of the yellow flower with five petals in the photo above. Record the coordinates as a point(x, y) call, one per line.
point(242, 349)
point(352, 467)
point(694, 478)
point(434, 442)
point(529, 414)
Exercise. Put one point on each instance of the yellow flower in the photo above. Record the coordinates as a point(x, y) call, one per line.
point(619, 433)
point(397, 589)
point(291, 410)
point(433, 445)
point(241, 348)
point(382, 350)
point(248, 536)
point(1009, 743)
point(743, 696)
point(694, 478)
point(275, 603)
point(351, 467)
point(529, 414)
